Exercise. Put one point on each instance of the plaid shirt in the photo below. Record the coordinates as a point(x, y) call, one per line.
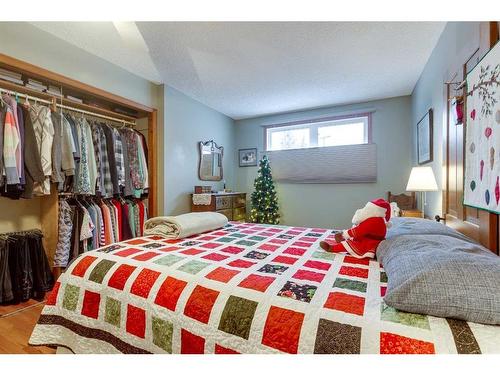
point(120, 167)
point(107, 184)
point(133, 157)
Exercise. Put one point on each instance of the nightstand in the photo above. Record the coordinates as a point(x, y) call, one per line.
point(232, 205)
point(412, 213)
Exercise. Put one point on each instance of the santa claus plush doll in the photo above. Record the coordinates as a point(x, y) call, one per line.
point(369, 228)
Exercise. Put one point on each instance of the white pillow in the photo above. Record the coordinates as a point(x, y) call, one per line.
point(395, 210)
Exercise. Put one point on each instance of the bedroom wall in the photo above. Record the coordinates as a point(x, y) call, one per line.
point(184, 124)
point(187, 122)
point(26, 42)
point(29, 43)
point(457, 42)
point(332, 205)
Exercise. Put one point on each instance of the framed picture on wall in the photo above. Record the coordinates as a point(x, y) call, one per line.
point(424, 139)
point(248, 157)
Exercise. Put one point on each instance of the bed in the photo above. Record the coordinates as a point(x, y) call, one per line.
point(245, 288)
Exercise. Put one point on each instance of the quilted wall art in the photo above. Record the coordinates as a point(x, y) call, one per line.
point(482, 148)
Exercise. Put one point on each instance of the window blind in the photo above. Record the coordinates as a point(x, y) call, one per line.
point(337, 165)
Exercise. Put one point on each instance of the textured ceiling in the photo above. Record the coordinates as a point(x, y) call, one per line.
point(102, 39)
point(247, 69)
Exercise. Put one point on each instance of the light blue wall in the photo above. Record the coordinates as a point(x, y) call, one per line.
point(457, 43)
point(28, 43)
point(184, 123)
point(187, 122)
point(332, 205)
point(24, 41)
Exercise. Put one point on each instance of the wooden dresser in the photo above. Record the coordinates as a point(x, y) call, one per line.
point(232, 205)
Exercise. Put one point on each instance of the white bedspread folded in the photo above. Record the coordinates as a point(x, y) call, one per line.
point(185, 225)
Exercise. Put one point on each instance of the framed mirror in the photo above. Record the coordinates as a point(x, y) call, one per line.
point(210, 164)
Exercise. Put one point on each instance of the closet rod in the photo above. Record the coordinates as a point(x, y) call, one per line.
point(69, 108)
point(25, 96)
point(95, 114)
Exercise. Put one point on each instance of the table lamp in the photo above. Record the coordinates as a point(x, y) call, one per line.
point(422, 180)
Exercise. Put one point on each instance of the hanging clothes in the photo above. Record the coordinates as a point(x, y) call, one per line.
point(82, 156)
point(57, 173)
point(32, 161)
point(44, 134)
point(13, 140)
point(11, 144)
point(87, 223)
point(3, 112)
point(103, 169)
point(111, 156)
point(24, 269)
point(120, 160)
point(65, 228)
point(68, 148)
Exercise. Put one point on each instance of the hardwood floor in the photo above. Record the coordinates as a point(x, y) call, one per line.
point(16, 324)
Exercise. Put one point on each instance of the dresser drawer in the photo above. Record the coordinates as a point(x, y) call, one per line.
point(222, 203)
point(239, 214)
point(227, 213)
point(239, 201)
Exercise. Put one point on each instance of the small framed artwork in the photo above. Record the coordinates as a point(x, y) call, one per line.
point(248, 157)
point(424, 139)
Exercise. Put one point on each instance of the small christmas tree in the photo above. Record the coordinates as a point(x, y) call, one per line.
point(264, 199)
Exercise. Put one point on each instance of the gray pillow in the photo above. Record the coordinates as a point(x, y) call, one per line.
point(442, 275)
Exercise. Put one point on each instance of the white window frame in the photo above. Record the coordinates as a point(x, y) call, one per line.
point(314, 124)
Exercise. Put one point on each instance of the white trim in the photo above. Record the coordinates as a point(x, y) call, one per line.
point(313, 124)
point(370, 210)
point(351, 252)
point(345, 234)
point(325, 116)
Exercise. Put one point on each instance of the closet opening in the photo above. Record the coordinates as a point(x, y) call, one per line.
point(96, 131)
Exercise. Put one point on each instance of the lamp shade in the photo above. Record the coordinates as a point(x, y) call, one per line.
point(422, 179)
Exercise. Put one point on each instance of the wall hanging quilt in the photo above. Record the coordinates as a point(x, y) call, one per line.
point(482, 149)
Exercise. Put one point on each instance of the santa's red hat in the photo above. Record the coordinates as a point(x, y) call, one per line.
point(383, 207)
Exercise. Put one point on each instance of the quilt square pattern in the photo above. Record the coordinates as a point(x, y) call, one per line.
point(299, 292)
point(282, 329)
point(200, 303)
point(257, 282)
point(245, 288)
point(345, 302)
point(273, 268)
point(222, 274)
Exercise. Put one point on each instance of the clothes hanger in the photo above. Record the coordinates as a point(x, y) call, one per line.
point(26, 103)
point(2, 102)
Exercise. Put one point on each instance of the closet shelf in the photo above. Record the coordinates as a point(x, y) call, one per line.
point(106, 104)
point(34, 94)
point(71, 86)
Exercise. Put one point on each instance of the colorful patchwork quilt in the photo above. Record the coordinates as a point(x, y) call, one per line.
point(246, 288)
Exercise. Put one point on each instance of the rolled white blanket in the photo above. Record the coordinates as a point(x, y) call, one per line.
point(185, 225)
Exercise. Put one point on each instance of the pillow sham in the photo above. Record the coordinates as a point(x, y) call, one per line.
point(439, 273)
point(395, 210)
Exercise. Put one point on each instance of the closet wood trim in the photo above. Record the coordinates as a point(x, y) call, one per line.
point(50, 204)
point(49, 214)
point(152, 163)
point(68, 102)
point(41, 73)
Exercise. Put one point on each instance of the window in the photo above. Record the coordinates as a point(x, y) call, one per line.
point(333, 131)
